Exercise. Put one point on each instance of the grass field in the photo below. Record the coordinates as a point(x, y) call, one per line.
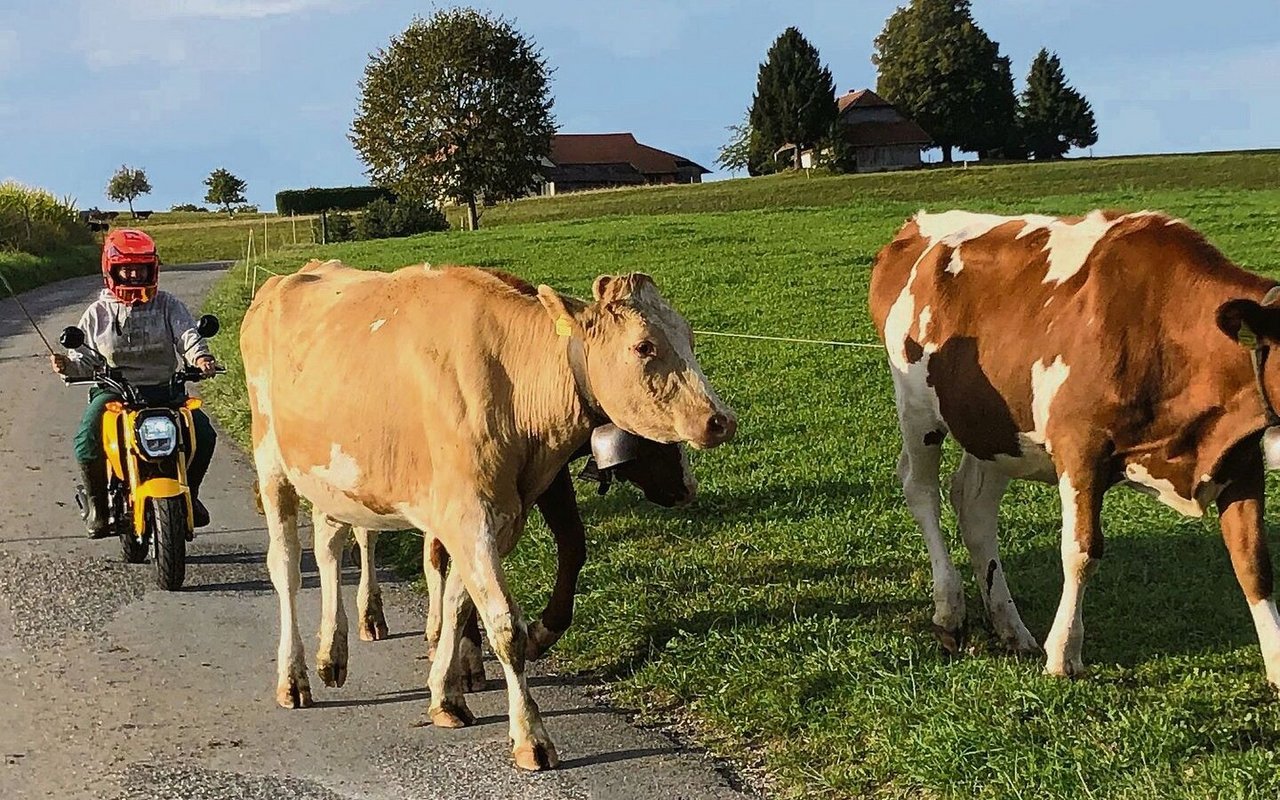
point(25, 271)
point(192, 237)
point(787, 611)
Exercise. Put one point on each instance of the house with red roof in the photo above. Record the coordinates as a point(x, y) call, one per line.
point(598, 160)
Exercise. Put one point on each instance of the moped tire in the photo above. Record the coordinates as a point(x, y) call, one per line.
point(132, 548)
point(167, 519)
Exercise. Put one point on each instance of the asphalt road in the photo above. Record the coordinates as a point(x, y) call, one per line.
point(111, 688)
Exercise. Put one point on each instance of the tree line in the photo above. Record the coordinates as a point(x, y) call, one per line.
point(129, 183)
point(936, 66)
point(458, 106)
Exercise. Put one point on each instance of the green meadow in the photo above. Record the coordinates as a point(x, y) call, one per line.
point(785, 614)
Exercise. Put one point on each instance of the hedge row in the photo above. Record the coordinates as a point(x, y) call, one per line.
point(313, 201)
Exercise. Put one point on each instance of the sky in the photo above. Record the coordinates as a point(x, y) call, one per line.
point(267, 88)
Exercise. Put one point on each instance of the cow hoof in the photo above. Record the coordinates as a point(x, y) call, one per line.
point(951, 641)
point(296, 693)
point(332, 673)
point(452, 714)
point(373, 630)
point(540, 640)
point(1020, 646)
point(1066, 669)
point(536, 756)
point(373, 623)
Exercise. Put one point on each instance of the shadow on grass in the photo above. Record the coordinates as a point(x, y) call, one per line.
point(1156, 593)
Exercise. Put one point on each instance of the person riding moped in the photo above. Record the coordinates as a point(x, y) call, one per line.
point(146, 334)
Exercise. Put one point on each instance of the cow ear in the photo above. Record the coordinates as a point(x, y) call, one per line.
point(1248, 322)
point(565, 312)
point(600, 288)
point(610, 288)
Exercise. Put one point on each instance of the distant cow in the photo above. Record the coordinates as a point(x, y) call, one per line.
point(446, 400)
point(1084, 352)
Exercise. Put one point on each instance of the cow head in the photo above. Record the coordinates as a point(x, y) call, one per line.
point(1256, 327)
point(1249, 322)
point(637, 356)
point(661, 471)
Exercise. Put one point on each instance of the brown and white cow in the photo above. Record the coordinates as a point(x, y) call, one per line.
point(1083, 352)
point(446, 400)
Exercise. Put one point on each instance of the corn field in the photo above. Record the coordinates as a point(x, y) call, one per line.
point(35, 221)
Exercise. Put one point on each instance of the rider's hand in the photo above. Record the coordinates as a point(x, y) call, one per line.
point(59, 363)
point(207, 365)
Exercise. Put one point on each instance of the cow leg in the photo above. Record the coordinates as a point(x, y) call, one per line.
point(435, 566)
point(284, 561)
point(976, 490)
point(330, 540)
point(1240, 508)
point(1081, 494)
point(508, 635)
point(448, 703)
point(471, 648)
point(918, 469)
point(373, 624)
point(559, 507)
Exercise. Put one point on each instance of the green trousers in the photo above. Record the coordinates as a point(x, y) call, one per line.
point(88, 441)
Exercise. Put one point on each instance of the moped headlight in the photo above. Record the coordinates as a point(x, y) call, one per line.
point(157, 436)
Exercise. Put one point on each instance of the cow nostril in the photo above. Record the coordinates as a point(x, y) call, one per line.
point(720, 426)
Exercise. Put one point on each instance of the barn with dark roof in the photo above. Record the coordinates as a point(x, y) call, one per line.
point(598, 160)
point(881, 136)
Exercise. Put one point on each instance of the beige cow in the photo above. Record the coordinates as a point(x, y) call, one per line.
point(446, 400)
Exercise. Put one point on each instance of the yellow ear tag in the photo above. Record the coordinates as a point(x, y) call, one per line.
point(1246, 337)
point(563, 327)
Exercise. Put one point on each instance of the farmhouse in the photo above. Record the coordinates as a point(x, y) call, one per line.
point(881, 137)
point(598, 160)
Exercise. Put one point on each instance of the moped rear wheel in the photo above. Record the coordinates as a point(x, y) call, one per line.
point(132, 548)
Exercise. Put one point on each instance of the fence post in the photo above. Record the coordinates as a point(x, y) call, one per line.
point(324, 226)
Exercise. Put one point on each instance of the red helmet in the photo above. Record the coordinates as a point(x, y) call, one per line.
point(128, 247)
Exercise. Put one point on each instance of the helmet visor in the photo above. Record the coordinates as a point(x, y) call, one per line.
point(139, 273)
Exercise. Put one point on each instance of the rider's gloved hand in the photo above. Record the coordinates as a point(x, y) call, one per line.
point(207, 366)
point(59, 363)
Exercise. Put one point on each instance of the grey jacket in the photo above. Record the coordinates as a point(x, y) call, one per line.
point(148, 343)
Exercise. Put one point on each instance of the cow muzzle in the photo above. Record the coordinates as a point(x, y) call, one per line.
point(715, 429)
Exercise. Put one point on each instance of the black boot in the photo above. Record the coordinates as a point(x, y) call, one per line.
point(195, 476)
point(95, 488)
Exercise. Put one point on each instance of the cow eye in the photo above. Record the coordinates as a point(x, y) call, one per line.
point(645, 349)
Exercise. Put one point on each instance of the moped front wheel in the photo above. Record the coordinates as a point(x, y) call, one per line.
point(167, 521)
